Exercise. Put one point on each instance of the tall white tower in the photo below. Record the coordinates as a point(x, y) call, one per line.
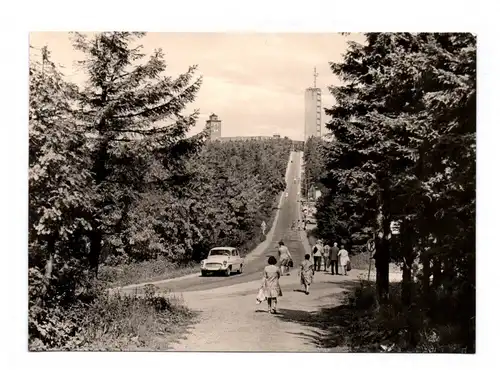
point(312, 125)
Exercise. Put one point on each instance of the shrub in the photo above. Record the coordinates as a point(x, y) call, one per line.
point(109, 322)
point(392, 327)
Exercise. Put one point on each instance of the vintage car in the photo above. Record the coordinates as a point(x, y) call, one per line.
point(222, 260)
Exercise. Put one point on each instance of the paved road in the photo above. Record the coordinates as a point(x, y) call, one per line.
point(252, 270)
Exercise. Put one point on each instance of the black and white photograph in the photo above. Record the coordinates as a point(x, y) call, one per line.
point(252, 192)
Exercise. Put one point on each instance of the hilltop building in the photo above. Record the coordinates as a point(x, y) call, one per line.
point(312, 119)
point(215, 125)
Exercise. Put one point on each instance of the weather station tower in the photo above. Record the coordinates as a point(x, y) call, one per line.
point(312, 121)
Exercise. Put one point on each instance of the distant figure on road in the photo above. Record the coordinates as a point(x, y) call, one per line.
point(272, 289)
point(285, 257)
point(344, 258)
point(286, 194)
point(334, 259)
point(263, 227)
point(317, 253)
point(326, 255)
point(306, 273)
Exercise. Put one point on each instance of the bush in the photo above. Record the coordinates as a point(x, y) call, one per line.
point(109, 322)
point(363, 297)
point(392, 327)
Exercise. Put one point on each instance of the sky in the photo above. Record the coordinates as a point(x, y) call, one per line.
point(254, 82)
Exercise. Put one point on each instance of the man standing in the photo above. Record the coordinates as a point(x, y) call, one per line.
point(334, 259)
point(326, 255)
point(317, 254)
point(263, 228)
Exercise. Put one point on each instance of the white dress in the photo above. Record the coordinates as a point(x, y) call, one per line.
point(344, 257)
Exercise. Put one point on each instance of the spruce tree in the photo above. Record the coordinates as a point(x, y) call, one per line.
point(134, 114)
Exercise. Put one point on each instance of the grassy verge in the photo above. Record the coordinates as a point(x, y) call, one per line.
point(363, 326)
point(147, 271)
point(113, 322)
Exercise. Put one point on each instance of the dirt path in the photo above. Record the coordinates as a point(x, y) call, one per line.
point(230, 320)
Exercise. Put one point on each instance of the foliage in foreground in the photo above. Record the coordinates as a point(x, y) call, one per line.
point(100, 321)
point(386, 328)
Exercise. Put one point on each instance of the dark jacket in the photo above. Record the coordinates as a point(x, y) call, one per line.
point(334, 253)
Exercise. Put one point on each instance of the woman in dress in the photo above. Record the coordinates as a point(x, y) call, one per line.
point(285, 257)
point(272, 289)
point(306, 273)
point(344, 258)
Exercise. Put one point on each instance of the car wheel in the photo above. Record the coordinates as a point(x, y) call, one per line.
point(228, 271)
point(203, 273)
point(240, 271)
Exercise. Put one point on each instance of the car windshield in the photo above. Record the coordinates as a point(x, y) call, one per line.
point(219, 252)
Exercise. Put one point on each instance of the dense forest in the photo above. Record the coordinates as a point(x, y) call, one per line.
point(314, 159)
point(114, 180)
point(404, 152)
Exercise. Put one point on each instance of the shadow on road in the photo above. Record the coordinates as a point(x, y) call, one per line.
point(328, 325)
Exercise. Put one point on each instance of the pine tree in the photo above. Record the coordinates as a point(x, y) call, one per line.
point(134, 114)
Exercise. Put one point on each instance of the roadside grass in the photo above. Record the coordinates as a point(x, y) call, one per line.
point(363, 326)
point(394, 328)
point(147, 271)
point(116, 322)
point(136, 323)
point(361, 261)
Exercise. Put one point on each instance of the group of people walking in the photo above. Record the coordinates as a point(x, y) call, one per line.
point(328, 256)
point(276, 268)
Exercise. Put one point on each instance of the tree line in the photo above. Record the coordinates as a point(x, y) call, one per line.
point(404, 152)
point(114, 177)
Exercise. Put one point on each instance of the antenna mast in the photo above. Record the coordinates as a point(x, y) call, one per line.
point(315, 76)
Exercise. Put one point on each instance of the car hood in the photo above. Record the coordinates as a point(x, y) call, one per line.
point(217, 258)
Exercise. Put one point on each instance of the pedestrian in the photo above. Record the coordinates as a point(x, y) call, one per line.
point(306, 273)
point(284, 258)
point(317, 252)
point(272, 289)
point(334, 259)
point(326, 255)
point(344, 258)
point(263, 227)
